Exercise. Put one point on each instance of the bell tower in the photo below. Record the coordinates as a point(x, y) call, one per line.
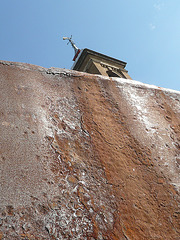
point(86, 60)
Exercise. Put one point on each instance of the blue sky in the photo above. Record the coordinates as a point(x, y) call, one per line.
point(143, 33)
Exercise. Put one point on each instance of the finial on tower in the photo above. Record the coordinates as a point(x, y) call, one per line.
point(76, 49)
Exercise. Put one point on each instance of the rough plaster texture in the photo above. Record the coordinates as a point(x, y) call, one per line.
point(87, 157)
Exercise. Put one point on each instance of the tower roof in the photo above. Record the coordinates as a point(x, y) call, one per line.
point(98, 56)
point(97, 63)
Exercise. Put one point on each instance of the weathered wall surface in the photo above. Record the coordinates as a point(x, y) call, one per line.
point(87, 157)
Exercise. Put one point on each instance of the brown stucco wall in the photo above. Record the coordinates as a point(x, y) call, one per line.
point(87, 157)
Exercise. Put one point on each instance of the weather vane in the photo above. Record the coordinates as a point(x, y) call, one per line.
point(76, 49)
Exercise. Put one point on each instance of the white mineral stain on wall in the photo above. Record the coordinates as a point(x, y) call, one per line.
point(151, 127)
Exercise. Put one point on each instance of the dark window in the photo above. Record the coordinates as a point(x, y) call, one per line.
point(112, 74)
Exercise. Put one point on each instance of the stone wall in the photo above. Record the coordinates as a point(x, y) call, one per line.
point(87, 157)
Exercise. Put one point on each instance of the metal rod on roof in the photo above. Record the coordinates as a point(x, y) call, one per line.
point(76, 49)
